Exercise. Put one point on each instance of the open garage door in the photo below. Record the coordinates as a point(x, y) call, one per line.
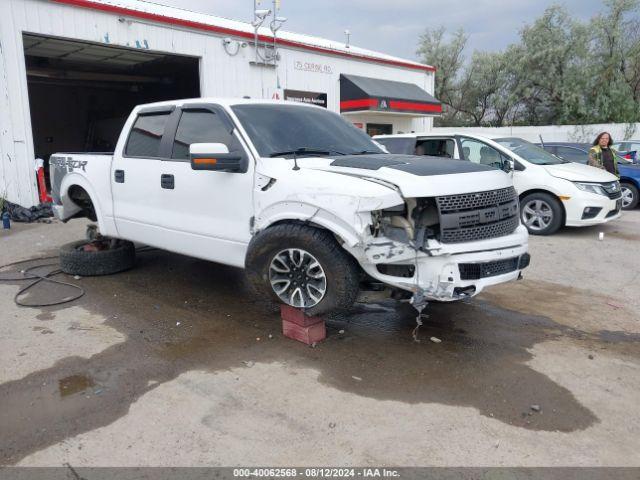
point(80, 93)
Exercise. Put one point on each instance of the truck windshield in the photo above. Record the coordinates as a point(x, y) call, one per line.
point(529, 152)
point(286, 130)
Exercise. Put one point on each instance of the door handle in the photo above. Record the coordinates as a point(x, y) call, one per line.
point(167, 181)
point(118, 176)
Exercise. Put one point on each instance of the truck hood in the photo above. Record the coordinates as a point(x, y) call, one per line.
point(577, 172)
point(415, 176)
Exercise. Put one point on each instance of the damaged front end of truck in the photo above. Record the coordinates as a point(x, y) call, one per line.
point(447, 247)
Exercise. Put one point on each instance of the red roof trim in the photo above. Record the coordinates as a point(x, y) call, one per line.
point(363, 103)
point(421, 107)
point(237, 33)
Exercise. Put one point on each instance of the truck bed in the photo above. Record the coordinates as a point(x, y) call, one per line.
point(90, 171)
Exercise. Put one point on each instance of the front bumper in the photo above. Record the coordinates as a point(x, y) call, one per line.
point(610, 209)
point(446, 275)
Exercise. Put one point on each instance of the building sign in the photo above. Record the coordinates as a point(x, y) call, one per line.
point(314, 98)
point(312, 67)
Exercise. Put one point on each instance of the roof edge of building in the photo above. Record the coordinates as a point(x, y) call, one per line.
point(107, 7)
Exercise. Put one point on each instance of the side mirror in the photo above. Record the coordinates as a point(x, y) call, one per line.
point(214, 157)
point(507, 166)
point(518, 167)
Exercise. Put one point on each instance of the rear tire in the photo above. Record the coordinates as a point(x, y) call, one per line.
point(630, 196)
point(326, 277)
point(75, 261)
point(541, 213)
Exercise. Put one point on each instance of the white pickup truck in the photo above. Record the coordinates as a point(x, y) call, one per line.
point(308, 204)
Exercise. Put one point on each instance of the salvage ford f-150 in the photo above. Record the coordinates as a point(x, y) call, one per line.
point(308, 204)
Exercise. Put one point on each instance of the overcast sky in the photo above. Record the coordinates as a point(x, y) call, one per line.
point(393, 26)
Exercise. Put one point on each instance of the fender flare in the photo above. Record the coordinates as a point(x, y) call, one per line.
point(304, 212)
point(74, 179)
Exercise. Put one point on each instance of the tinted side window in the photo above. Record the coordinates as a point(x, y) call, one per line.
point(146, 135)
point(200, 126)
point(479, 152)
point(436, 148)
point(405, 146)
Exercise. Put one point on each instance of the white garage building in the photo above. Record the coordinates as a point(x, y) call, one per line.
point(71, 70)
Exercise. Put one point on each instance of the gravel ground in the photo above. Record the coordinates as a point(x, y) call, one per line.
point(174, 363)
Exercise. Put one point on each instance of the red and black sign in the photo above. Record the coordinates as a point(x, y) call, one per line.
point(370, 94)
point(314, 98)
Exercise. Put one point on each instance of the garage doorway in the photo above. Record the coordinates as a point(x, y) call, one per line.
point(379, 129)
point(81, 93)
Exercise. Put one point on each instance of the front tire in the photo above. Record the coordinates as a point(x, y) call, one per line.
point(541, 213)
point(630, 196)
point(304, 267)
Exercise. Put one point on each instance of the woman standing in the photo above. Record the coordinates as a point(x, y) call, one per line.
point(601, 155)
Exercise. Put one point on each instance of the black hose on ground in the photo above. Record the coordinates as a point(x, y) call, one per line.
point(28, 274)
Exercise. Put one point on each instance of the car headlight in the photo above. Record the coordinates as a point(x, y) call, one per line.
point(591, 188)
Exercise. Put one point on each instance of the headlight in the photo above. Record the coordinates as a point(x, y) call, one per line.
point(591, 188)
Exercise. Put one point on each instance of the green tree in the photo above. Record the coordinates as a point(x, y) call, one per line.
point(614, 71)
point(553, 56)
point(479, 86)
point(561, 71)
point(507, 101)
point(448, 56)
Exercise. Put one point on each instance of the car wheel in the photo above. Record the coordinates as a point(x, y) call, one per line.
point(304, 267)
point(541, 213)
point(75, 259)
point(630, 196)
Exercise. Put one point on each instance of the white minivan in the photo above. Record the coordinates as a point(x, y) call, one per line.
point(553, 192)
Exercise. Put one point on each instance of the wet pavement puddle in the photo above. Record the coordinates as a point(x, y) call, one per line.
point(181, 314)
point(74, 384)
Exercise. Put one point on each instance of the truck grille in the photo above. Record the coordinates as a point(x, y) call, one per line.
point(469, 201)
point(476, 271)
point(478, 216)
point(483, 232)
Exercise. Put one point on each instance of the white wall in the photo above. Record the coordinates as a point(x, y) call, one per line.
point(222, 75)
point(16, 147)
point(555, 133)
point(401, 123)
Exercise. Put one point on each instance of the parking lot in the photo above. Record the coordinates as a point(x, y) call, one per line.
point(173, 363)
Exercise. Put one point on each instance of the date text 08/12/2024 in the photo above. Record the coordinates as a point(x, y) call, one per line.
point(316, 472)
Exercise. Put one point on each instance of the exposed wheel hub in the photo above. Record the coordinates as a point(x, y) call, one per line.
point(537, 215)
point(297, 278)
point(627, 196)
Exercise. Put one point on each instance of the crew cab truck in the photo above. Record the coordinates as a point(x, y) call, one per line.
point(553, 192)
point(307, 203)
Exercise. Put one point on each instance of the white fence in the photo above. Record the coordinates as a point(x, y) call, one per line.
point(555, 133)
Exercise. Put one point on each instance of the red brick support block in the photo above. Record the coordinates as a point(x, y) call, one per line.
point(299, 326)
point(297, 316)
